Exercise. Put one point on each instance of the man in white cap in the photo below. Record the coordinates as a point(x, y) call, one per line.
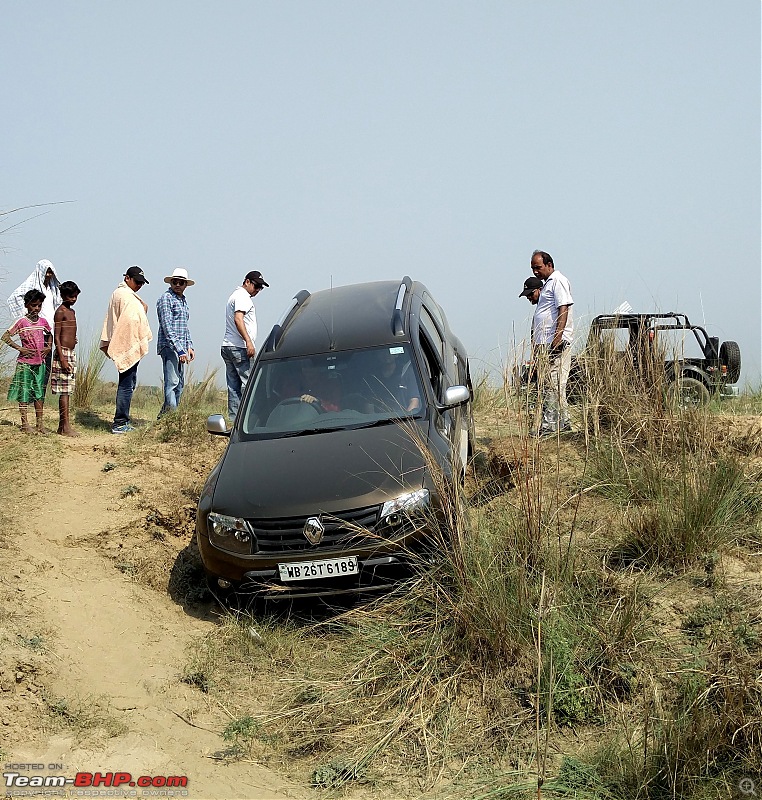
point(174, 343)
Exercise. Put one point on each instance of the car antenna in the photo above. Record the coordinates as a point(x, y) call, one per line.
point(333, 343)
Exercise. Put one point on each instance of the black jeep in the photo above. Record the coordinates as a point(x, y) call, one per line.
point(690, 365)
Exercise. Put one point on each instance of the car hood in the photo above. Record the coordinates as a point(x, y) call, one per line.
point(323, 472)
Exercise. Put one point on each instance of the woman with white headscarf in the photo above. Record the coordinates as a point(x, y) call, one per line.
point(45, 280)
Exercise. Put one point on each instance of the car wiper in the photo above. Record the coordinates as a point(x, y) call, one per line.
point(376, 422)
point(352, 427)
point(307, 431)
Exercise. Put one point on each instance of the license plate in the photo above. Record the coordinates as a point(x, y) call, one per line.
point(311, 570)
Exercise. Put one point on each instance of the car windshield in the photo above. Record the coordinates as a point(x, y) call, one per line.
point(332, 391)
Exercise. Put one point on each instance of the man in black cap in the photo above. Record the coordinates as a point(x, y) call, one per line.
point(125, 339)
point(238, 349)
point(528, 374)
point(532, 288)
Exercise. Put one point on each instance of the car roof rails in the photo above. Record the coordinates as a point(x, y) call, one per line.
point(398, 318)
point(277, 331)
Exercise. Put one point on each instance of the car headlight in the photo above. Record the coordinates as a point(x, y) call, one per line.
point(231, 533)
point(395, 512)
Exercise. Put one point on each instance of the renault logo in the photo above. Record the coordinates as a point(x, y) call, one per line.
point(314, 530)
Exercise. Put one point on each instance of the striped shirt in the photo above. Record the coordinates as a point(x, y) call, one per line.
point(33, 335)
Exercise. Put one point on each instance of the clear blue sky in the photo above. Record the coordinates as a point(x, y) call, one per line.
point(351, 141)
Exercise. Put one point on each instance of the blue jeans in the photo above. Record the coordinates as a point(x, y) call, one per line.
point(237, 366)
point(174, 379)
point(127, 381)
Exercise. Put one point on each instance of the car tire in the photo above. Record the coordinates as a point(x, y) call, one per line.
point(730, 357)
point(688, 393)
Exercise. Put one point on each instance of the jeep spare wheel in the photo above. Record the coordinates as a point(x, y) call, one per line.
point(730, 357)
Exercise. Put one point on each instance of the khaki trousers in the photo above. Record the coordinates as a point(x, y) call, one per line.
point(552, 410)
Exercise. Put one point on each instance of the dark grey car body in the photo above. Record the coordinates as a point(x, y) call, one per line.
point(339, 493)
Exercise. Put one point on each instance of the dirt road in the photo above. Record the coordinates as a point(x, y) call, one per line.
point(109, 652)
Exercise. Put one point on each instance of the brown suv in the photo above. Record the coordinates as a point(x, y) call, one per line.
point(326, 486)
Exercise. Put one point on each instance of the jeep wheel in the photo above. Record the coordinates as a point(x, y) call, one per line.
point(730, 357)
point(687, 393)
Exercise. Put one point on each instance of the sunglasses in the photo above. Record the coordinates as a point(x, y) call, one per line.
point(178, 282)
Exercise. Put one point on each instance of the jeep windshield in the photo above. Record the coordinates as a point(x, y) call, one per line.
point(331, 391)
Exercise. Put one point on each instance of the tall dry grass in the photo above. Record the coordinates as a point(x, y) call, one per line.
point(500, 612)
point(88, 381)
point(536, 612)
point(187, 423)
point(687, 493)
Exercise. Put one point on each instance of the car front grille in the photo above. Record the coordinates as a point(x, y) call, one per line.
point(286, 534)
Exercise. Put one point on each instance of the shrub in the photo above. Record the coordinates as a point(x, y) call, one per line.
point(88, 381)
point(695, 513)
point(186, 424)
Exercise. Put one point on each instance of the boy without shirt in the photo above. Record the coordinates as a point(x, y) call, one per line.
point(64, 360)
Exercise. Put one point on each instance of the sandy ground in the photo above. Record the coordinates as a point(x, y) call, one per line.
point(112, 648)
point(81, 632)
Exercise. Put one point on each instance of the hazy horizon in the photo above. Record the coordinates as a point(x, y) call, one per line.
point(346, 142)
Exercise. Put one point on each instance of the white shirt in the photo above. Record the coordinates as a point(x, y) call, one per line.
point(240, 300)
point(49, 306)
point(556, 292)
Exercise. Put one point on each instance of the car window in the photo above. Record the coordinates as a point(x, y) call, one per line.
point(432, 365)
point(428, 325)
point(331, 390)
point(433, 309)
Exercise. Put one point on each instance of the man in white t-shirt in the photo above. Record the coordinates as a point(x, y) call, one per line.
point(552, 332)
point(240, 333)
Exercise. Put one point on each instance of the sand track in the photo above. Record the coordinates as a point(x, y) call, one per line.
point(114, 648)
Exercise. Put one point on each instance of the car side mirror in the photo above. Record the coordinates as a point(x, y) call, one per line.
point(216, 425)
point(455, 396)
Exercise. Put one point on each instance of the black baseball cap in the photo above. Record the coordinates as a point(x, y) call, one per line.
point(136, 274)
point(530, 284)
point(255, 276)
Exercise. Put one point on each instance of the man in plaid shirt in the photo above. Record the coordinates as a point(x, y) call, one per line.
point(174, 343)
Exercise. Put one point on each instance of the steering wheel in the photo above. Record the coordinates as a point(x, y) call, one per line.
point(292, 401)
point(316, 403)
point(291, 411)
point(289, 401)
